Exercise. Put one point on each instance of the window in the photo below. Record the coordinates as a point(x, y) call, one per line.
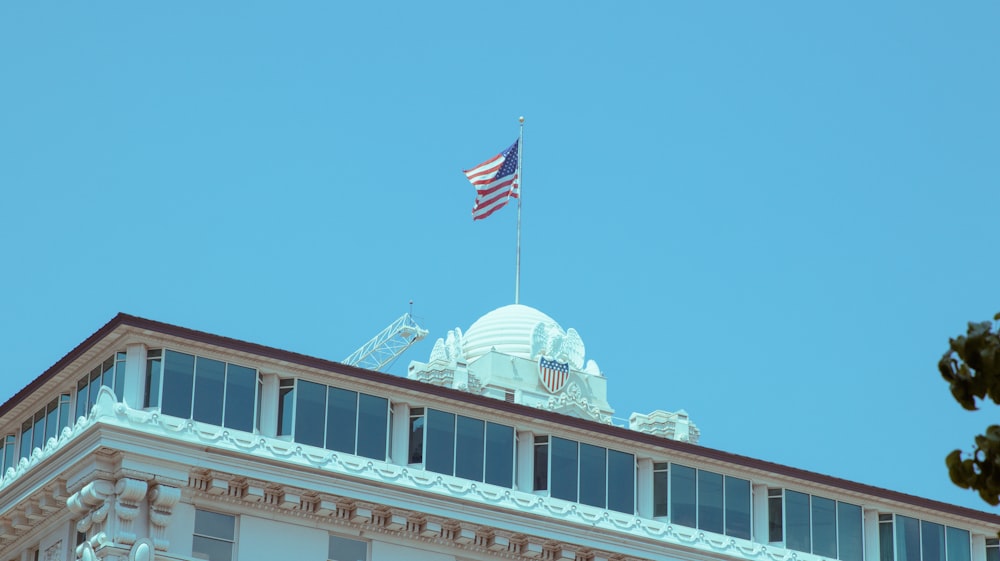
point(462, 446)
point(334, 418)
point(774, 509)
point(920, 540)
point(541, 464)
point(214, 536)
point(992, 549)
point(110, 373)
point(585, 473)
point(660, 473)
point(203, 389)
point(36, 430)
point(816, 525)
point(703, 499)
point(10, 453)
point(346, 549)
point(416, 455)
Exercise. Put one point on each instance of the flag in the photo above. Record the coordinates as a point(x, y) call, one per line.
point(496, 180)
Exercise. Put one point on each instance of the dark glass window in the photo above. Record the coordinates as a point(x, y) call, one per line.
point(416, 455)
point(38, 434)
point(932, 541)
point(341, 420)
point(286, 406)
point(470, 447)
point(153, 372)
point(660, 473)
point(593, 475)
point(310, 410)
point(209, 386)
point(797, 521)
point(51, 419)
point(499, 455)
point(775, 519)
point(683, 496)
point(64, 408)
point(564, 462)
point(94, 386)
point(440, 453)
point(824, 527)
point(373, 426)
point(886, 550)
point(850, 533)
point(959, 548)
point(108, 373)
point(737, 508)
point(907, 539)
point(540, 476)
point(214, 536)
point(710, 501)
point(26, 428)
point(178, 384)
point(241, 382)
point(9, 452)
point(621, 481)
point(119, 374)
point(992, 549)
point(81, 397)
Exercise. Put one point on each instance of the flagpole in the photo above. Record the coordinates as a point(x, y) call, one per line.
point(520, 153)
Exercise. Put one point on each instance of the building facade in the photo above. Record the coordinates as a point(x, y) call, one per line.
point(152, 441)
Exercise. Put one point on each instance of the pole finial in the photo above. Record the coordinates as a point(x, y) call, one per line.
point(521, 119)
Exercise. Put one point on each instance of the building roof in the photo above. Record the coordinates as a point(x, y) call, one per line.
point(619, 434)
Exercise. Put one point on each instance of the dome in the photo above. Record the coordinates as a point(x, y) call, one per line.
point(508, 329)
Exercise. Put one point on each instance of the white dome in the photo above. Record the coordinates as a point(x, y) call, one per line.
point(508, 329)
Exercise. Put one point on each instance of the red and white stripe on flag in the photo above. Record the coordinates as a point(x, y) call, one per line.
point(496, 181)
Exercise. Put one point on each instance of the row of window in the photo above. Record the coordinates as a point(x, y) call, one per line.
point(584, 473)
point(334, 418)
point(214, 539)
point(902, 538)
point(462, 446)
point(815, 524)
point(224, 394)
point(203, 389)
point(702, 499)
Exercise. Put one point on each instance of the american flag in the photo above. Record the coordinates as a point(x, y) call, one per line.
point(553, 373)
point(495, 181)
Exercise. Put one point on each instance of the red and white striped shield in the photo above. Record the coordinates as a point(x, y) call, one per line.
point(552, 373)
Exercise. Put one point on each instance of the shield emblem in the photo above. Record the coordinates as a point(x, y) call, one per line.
point(552, 373)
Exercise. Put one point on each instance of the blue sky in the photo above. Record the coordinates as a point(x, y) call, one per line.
point(772, 215)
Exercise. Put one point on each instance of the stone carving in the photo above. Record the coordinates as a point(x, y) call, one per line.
point(162, 499)
point(573, 402)
point(130, 493)
point(142, 551)
point(91, 505)
point(449, 349)
point(549, 340)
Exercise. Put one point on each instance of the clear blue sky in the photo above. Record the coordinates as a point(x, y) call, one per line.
point(772, 215)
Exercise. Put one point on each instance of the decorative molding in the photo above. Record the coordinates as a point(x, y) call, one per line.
point(573, 402)
point(130, 494)
point(91, 505)
point(162, 500)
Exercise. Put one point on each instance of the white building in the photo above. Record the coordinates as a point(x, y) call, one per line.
point(152, 441)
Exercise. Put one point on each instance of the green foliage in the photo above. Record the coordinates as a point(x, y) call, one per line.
point(975, 373)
